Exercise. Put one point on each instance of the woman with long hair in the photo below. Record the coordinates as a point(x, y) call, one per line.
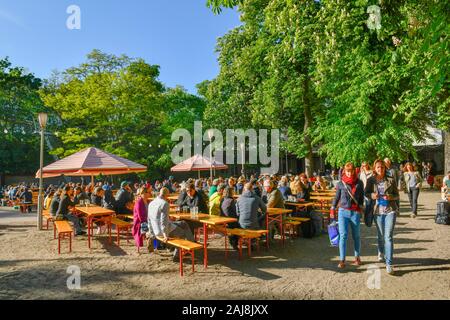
point(412, 184)
point(383, 189)
point(349, 200)
point(140, 216)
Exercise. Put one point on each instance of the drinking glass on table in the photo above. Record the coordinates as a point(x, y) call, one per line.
point(81, 202)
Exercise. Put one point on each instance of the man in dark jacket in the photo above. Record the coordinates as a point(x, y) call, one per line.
point(27, 198)
point(64, 212)
point(195, 199)
point(247, 209)
point(79, 195)
point(123, 197)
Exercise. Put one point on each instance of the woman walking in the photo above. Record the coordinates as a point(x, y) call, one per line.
point(413, 182)
point(350, 198)
point(383, 189)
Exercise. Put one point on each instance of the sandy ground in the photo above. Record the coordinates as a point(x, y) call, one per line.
point(30, 267)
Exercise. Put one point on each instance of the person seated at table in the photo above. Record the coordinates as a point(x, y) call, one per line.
point(79, 195)
point(228, 209)
point(124, 199)
point(158, 185)
point(250, 209)
point(160, 224)
point(320, 184)
point(97, 196)
point(232, 183)
point(64, 213)
point(108, 201)
point(296, 186)
point(215, 201)
point(256, 187)
point(140, 216)
point(26, 197)
point(199, 188)
point(274, 196)
point(213, 188)
point(54, 204)
point(240, 185)
point(183, 194)
point(285, 189)
point(194, 199)
point(305, 194)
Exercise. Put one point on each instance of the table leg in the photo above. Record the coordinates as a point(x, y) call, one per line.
point(282, 229)
point(89, 222)
point(205, 245)
point(267, 227)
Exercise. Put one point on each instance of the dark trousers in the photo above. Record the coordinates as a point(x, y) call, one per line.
point(413, 195)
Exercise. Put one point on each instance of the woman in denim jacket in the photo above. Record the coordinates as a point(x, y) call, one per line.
point(384, 190)
point(350, 197)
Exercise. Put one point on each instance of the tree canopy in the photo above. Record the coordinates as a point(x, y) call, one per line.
point(316, 70)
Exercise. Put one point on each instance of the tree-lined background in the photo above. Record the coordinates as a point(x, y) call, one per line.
point(311, 68)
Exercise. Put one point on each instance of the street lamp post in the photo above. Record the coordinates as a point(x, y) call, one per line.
point(42, 123)
point(210, 156)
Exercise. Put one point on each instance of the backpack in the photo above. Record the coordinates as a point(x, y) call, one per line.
point(443, 213)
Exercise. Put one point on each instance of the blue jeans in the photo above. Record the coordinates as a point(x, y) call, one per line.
point(346, 217)
point(385, 231)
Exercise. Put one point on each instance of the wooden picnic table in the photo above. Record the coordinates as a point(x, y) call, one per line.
point(213, 221)
point(93, 214)
point(206, 220)
point(276, 214)
point(322, 198)
point(299, 205)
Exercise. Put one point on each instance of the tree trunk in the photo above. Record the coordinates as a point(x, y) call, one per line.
point(309, 166)
point(447, 151)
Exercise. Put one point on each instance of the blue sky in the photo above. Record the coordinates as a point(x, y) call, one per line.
point(178, 35)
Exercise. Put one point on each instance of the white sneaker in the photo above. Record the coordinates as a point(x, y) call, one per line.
point(380, 257)
point(390, 270)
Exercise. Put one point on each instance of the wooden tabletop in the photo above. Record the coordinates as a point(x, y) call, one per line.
point(187, 216)
point(216, 220)
point(273, 211)
point(322, 198)
point(299, 204)
point(94, 210)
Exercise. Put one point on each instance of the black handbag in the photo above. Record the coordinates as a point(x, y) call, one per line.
point(368, 212)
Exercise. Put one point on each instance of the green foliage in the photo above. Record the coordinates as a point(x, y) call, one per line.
point(314, 69)
point(19, 105)
point(380, 85)
point(119, 105)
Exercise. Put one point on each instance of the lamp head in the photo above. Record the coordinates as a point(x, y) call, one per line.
point(42, 119)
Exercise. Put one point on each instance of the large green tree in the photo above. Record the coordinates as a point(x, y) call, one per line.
point(383, 85)
point(117, 103)
point(266, 73)
point(318, 70)
point(19, 105)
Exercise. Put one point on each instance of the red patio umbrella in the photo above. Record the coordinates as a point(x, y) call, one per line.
point(91, 162)
point(198, 163)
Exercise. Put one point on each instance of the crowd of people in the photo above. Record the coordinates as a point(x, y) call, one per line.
point(357, 189)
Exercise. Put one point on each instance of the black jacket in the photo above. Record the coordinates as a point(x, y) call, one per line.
point(344, 199)
point(197, 201)
point(54, 205)
point(64, 204)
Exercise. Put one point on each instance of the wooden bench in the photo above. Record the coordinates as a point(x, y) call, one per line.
point(186, 247)
point(49, 218)
point(124, 216)
point(292, 227)
point(122, 226)
point(244, 235)
point(64, 229)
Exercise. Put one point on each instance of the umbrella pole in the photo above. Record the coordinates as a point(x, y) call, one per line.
point(199, 174)
point(92, 180)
